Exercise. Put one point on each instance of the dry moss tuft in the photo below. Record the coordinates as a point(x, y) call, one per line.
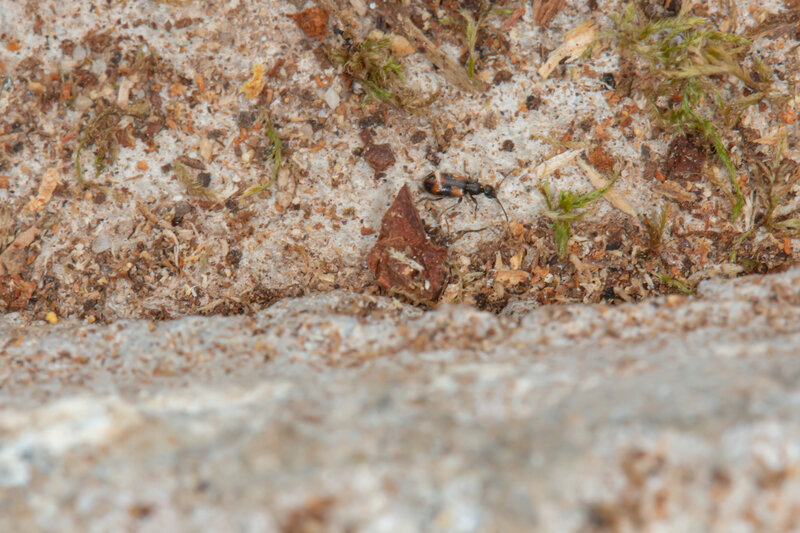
point(655, 226)
point(775, 180)
point(372, 64)
point(100, 132)
point(275, 156)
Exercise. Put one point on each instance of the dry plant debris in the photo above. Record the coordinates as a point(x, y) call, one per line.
point(379, 156)
point(396, 16)
point(193, 183)
point(164, 229)
point(15, 292)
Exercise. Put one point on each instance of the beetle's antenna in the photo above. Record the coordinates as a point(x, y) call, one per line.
point(496, 199)
point(505, 177)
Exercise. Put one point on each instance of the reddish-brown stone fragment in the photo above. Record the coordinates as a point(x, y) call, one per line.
point(15, 293)
point(379, 156)
point(600, 159)
point(404, 261)
point(685, 158)
point(312, 21)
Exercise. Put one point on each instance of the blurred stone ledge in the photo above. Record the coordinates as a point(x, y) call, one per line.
point(341, 412)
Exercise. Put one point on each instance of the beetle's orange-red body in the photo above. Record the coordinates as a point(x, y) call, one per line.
point(449, 185)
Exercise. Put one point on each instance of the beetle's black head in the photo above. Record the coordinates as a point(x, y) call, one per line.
point(489, 191)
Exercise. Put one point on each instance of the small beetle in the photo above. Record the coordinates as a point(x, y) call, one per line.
point(447, 185)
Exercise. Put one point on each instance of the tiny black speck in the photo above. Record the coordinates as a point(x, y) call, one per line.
point(532, 102)
point(608, 294)
point(608, 79)
point(204, 179)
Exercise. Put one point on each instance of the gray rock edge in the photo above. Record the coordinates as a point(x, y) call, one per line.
point(345, 412)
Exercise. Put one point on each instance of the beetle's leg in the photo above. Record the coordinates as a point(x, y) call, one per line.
point(444, 213)
point(475, 202)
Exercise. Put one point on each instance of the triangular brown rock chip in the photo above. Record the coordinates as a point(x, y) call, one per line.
point(404, 260)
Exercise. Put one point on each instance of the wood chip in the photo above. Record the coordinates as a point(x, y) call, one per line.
point(544, 10)
point(673, 190)
point(50, 180)
point(545, 168)
point(511, 278)
point(360, 6)
point(124, 92)
point(513, 18)
point(575, 42)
